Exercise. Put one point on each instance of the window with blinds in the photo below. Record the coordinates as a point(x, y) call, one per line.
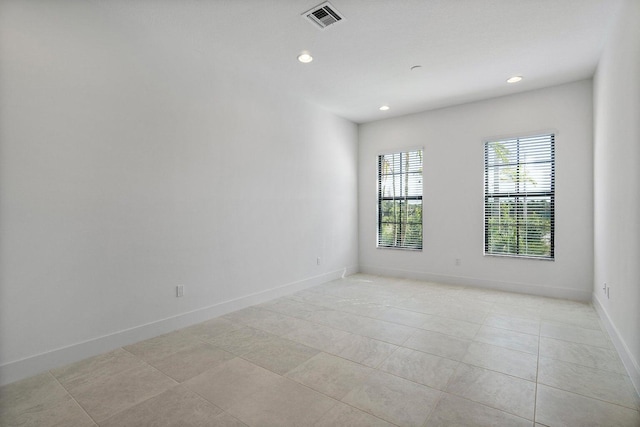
point(400, 200)
point(519, 187)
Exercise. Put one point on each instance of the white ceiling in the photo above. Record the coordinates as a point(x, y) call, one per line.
point(467, 48)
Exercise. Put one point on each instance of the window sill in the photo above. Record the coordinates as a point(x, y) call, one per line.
point(393, 248)
point(534, 258)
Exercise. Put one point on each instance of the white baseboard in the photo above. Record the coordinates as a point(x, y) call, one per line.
point(33, 365)
point(629, 362)
point(521, 288)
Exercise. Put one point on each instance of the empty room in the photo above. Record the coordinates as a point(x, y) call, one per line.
point(304, 213)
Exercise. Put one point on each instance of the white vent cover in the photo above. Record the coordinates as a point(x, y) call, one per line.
point(323, 15)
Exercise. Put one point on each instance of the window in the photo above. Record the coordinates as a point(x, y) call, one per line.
point(400, 200)
point(519, 186)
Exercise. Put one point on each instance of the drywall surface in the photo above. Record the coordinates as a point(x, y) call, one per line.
point(453, 191)
point(617, 186)
point(126, 170)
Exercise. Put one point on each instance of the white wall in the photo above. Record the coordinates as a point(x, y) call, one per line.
point(453, 191)
point(124, 173)
point(617, 187)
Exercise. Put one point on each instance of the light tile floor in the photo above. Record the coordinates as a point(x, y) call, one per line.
point(360, 351)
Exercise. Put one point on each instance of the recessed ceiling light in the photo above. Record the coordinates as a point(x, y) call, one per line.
point(305, 57)
point(384, 108)
point(514, 79)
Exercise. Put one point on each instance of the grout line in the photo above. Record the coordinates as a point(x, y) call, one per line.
point(591, 397)
point(73, 398)
point(488, 406)
point(433, 410)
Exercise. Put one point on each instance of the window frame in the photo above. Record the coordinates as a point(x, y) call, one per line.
point(521, 197)
point(380, 199)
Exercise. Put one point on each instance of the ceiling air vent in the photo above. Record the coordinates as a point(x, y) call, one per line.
point(323, 15)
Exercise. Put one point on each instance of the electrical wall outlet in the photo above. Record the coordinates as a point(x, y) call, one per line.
point(458, 261)
point(179, 291)
point(318, 261)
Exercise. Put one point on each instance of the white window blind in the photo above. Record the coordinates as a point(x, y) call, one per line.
point(519, 197)
point(400, 200)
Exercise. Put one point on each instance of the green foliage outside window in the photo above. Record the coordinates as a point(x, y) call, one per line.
point(512, 232)
point(401, 224)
